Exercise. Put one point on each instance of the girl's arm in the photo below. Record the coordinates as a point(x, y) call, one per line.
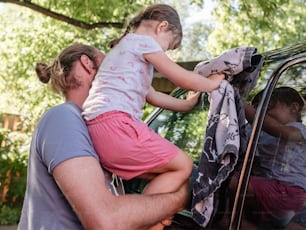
point(181, 77)
point(273, 127)
point(166, 101)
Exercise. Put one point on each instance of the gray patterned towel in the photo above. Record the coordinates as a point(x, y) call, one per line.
point(225, 133)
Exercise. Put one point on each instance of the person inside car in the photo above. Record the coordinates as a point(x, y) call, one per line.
point(276, 190)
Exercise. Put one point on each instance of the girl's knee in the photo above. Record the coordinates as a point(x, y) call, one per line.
point(186, 164)
point(182, 164)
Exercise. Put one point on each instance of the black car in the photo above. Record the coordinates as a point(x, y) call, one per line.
point(286, 66)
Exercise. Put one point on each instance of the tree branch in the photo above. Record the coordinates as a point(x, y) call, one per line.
point(63, 18)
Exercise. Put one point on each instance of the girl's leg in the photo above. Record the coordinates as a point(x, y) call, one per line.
point(171, 176)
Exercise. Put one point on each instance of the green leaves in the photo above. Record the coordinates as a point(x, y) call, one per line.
point(264, 24)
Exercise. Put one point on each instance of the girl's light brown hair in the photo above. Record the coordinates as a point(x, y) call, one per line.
point(60, 70)
point(157, 12)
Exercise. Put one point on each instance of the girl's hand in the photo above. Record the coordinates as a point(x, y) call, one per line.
point(217, 77)
point(192, 98)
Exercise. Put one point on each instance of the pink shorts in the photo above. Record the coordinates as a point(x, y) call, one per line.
point(128, 147)
point(277, 199)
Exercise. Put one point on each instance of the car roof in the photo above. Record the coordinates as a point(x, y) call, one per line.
point(284, 52)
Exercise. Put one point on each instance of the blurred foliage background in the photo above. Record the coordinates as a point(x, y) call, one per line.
point(28, 36)
point(35, 31)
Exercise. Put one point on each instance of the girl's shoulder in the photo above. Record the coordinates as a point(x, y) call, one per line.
point(139, 37)
point(142, 43)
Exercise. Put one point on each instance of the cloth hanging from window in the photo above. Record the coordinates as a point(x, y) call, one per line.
point(225, 134)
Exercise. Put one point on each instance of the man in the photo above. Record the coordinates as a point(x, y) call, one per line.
point(66, 186)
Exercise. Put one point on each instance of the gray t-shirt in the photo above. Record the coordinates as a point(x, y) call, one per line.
point(60, 135)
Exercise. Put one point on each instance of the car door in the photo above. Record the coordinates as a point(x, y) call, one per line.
point(291, 72)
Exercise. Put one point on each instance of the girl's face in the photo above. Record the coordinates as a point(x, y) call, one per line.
point(167, 40)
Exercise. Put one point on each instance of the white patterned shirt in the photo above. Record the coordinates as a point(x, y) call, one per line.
point(123, 79)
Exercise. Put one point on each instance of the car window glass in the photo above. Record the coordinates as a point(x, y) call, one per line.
point(277, 159)
point(295, 77)
point(186, 130)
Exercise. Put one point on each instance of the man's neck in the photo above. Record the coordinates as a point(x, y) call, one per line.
point(77, 96)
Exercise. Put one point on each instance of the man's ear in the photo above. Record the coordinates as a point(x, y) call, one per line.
point(163, 26)
point(86, 63)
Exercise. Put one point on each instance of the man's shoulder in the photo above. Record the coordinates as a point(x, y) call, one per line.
point(61, 111)
point(67, 106)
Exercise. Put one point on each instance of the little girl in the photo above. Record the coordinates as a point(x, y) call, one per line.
point(113, 109)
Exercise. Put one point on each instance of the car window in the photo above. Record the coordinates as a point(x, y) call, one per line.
point(295, 77)
point(270, 163)
point(186, 130)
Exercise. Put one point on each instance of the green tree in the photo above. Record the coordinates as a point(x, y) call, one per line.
point(27, 38)
point(34, 31)
point(263, 24)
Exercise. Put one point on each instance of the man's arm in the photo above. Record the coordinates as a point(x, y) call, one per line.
point(82, 182)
